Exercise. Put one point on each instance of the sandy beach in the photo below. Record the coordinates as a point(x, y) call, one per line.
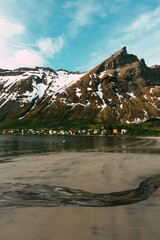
point(91, 171)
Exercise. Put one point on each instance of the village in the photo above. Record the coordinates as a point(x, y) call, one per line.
point(102, 131)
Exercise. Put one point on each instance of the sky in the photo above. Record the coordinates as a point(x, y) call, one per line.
point(77, 35)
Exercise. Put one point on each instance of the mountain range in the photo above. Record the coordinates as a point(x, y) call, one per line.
point(122, 89)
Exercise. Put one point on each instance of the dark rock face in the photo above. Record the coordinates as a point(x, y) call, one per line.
point(117, 60)
point(120, 89)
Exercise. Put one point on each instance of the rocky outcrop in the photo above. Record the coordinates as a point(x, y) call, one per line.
point(117, 60)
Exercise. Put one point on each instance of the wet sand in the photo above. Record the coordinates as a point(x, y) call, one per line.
point(94, 172)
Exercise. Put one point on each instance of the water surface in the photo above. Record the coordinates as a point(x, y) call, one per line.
point(11, 146)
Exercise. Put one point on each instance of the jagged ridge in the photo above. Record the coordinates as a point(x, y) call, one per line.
point(120, 89)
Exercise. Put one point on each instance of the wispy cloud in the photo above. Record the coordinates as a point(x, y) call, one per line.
point(15, 53)
point(91, 29)
point(82, 13)
point(22, 58)
point(145, 22)
point(9, 34)
point(28, 11)
point(142, 26)
point(49, 47)
point(142, 37)
point(8, 29)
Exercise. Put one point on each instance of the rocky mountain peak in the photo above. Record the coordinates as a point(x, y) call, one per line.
point(121, 58)
point(120, 89)
point(122, 51)
point(155, 66)
point(117, 60)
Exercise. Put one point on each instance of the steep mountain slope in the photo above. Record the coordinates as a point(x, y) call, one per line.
point(121, 89)
point(26, 92)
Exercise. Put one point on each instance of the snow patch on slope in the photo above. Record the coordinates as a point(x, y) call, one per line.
point(78, 92)
point(151, 90)
point(100, 94)
point(131, 95)
point(44, 83)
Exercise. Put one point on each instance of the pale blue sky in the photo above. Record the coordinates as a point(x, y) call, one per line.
point(78, 34)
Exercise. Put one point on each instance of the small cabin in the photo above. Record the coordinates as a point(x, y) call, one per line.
point(115, 131)
point(96, 131)
point(123, 131)
point(50, 132)
point(103, 132)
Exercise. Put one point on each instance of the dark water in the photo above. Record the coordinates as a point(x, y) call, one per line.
point(11, 146)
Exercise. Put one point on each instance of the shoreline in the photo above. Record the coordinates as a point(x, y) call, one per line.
point(100, 172)
point(149, 147)
point(21, 167)
point(81, 135)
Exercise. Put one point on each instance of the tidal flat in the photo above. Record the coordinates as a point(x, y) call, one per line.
point(92, 171)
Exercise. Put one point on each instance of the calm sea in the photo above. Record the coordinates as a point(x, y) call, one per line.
point(12, 146)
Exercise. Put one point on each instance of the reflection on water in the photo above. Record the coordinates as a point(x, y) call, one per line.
point(11, 146)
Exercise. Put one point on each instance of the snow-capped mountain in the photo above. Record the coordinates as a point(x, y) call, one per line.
point(121, 89)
